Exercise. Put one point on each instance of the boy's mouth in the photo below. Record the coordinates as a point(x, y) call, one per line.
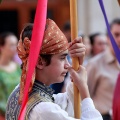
point(64, 73)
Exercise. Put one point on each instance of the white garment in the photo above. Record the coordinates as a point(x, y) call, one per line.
point(62, 109)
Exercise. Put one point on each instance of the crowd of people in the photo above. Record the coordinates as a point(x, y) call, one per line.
point(102, 69)
point(99, 60)
point(10, 71)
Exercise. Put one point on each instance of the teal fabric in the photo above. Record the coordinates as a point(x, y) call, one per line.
point(8, 81)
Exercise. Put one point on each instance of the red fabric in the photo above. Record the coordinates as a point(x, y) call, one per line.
point(116, 101)
point(54, 40)
point(23, 52)
point(2, 117)
point(36, 42)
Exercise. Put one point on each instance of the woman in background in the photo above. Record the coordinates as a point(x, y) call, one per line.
point(9, 70)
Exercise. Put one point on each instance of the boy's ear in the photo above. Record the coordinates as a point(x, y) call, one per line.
point(40, 63)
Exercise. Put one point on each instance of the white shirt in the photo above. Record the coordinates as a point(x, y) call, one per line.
point(62, 108)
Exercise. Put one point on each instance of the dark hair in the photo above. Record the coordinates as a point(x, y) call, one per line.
point(3, 37)
point(92, 37)
point(66, 26)
point(115, 21)
point(27, 32)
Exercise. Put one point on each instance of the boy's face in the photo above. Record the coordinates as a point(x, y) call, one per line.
point(115, 30)
point(9, 49)
point(55, 72)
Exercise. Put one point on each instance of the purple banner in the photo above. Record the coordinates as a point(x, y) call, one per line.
point(115, 47)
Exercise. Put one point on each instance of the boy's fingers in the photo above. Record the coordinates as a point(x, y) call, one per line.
point(82, 69)
point(81, 54)
point(70, 70)
point(77, 40)
point(77, 45)
point(77, 50)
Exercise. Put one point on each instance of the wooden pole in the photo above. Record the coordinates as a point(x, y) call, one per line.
point(75, 62)
point(119, 2)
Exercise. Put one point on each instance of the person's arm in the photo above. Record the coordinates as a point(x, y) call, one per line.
point(55, 111)
point(66, 102)
point(52, 111)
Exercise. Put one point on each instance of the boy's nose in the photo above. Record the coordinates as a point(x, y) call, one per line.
point(67, 63)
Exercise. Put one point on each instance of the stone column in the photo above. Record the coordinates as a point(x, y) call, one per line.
point(90, 16)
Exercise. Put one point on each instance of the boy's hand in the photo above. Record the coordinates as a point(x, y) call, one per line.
point(80, 80)
point(77, 48)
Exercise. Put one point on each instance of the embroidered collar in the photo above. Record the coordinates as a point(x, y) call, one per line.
point(42, 87)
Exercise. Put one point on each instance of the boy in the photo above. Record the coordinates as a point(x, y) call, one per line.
point(51, 68)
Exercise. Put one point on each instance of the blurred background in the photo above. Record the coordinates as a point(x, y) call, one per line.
point(15, 13)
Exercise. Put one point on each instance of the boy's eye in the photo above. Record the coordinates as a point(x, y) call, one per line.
point(63, 58)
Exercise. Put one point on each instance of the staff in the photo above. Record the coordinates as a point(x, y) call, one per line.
point(75, 62)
